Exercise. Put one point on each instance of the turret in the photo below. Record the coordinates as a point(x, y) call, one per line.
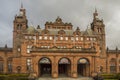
point(20, 25)
point(99, 28)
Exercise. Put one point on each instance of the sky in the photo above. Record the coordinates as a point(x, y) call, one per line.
point(78, 12)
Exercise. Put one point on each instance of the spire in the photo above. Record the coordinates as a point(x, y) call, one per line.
point(22, 10)
point(95, 14)
point(21, 5)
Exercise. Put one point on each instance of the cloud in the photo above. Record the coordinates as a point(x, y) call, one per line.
point(78, 12)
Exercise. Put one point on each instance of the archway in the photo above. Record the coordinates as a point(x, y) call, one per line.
point(45, 67)
point(83, 67)
point(64, 67)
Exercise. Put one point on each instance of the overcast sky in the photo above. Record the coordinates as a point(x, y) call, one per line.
point(78, 12)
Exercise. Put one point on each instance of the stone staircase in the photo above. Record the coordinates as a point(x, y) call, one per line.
point(65, 78)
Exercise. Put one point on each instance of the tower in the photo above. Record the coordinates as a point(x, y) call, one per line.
point(20, 25)
point(99, 28)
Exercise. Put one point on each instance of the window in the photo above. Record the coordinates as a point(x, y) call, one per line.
point(94, 39)
point(30, 37)
point(29, 48)
point(50, 38)
point(45, 38)
point(76, 38)
point(91, 39)
point(81, 38)
point(19, 26)
point(18, 49)
point(29, 64)
point(113, 65)
point(26, 37)
point(87, 39)
point(34, 37)
point(45, 46)
point(9, 64)
point(72, 38)
point(66, 38)
point(61, 38)
point(40, 37)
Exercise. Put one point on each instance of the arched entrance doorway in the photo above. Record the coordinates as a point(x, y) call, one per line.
point(64, 67)
point(83, 67)
point(45, 67)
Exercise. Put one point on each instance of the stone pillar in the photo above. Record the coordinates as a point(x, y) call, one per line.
point(54, 68)
point(87, 70)
point(92, 66)
point(74, 68)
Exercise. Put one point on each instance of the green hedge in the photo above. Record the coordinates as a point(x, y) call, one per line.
point(111, 76)
point(14, 76)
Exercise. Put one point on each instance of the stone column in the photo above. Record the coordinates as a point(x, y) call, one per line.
point(55, 68)
point(87, 70)
point(74, 68)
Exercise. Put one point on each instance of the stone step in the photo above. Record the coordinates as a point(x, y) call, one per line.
point(81, 78)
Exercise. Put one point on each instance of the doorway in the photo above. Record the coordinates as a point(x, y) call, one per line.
point(83, 68)
point(45, 67)
point(64, 67)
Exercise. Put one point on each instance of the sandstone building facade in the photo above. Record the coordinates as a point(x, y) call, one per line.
point(58, 49)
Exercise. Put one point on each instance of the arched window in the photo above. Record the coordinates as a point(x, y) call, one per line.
point(29, 64)
point(64, 61)
point(9, 64)
point(29, 48)
point(113, 65)
point(1, 65)
point(19, 26)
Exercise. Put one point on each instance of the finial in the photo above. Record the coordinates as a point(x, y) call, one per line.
point(21, 5)
point(38, 27)
point(116, 48)
point(78, 28)
point(107, 48)
point(95, 14)
point(95, 10)
point(5, 45)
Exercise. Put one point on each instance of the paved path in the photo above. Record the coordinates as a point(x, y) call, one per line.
point(81, 78)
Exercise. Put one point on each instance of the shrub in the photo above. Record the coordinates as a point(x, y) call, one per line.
point(109, 76)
